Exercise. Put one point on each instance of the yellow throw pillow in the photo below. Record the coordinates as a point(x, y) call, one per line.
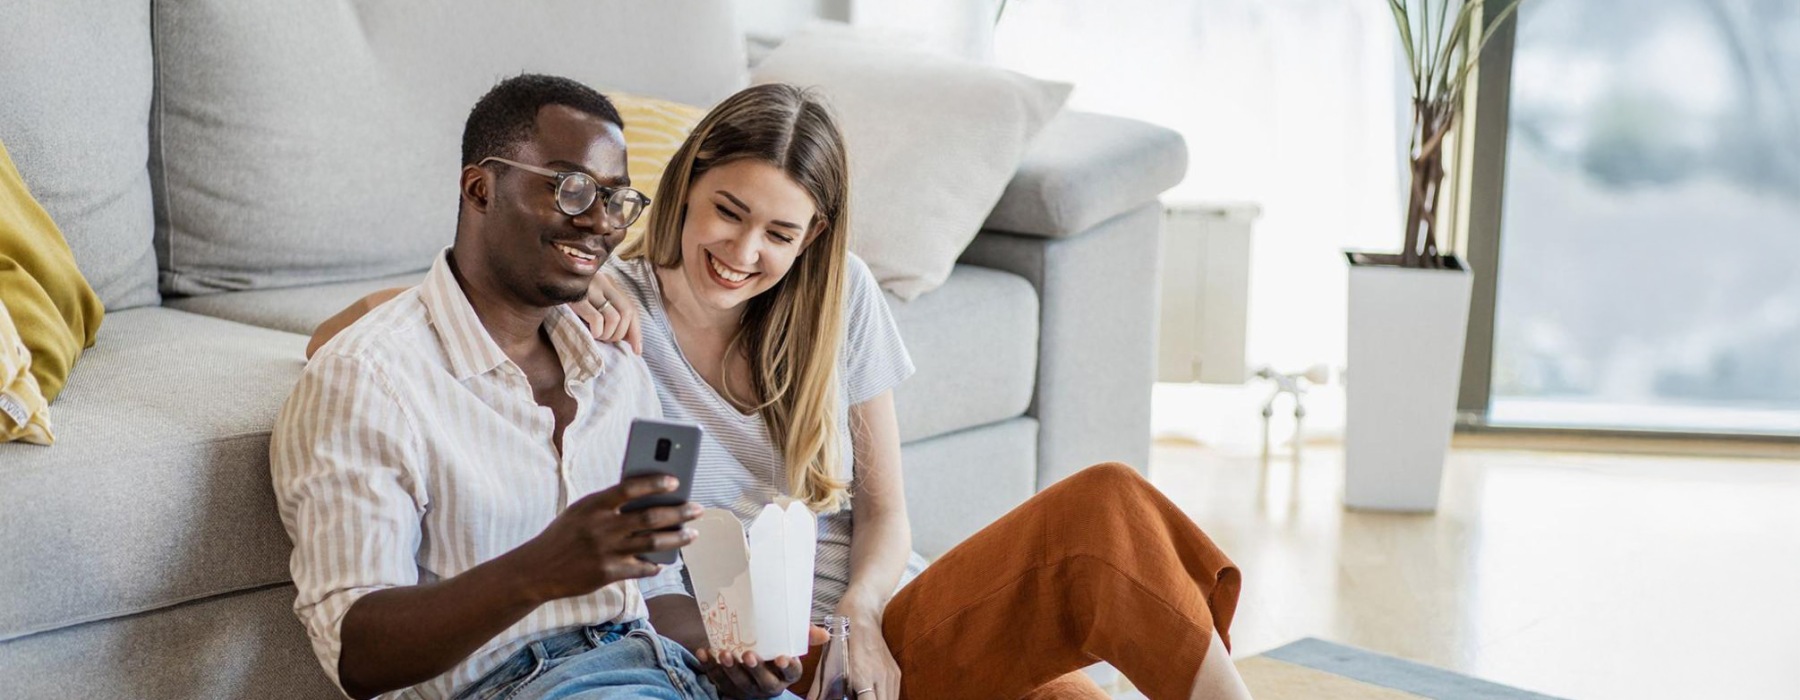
point(654, 129)
point(54, 311)
point(24, 413)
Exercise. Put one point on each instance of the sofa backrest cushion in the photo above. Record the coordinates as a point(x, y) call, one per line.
point(309, 142)
point(75, 86)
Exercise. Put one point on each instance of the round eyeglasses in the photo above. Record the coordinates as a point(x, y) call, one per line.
point(577, 191)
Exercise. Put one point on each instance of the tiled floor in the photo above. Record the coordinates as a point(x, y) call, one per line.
point(1580, 575)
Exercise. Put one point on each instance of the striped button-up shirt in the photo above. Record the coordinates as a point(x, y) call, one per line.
point(412, 449)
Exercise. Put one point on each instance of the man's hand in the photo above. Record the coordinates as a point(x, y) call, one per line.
point(610, 314)
point(748, 677)
point(592, 544)
point(400, 636)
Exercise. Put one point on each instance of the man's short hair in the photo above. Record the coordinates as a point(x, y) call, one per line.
point(504, 117)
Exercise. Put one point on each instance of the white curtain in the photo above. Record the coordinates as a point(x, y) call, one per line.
point(1290, 104)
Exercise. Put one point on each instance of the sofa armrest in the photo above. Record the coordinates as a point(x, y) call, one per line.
point(1097, 296)
point(1084, 169)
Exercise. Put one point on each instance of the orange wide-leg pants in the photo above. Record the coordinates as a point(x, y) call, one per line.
point(1098, 567)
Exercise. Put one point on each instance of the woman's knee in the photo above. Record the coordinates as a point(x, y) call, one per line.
point(1108, 479)
point(1103, 491)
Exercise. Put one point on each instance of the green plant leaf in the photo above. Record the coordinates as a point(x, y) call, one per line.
point(1403, 20)
point(1465, 19)
point(1425, 37)
point(1444, 52)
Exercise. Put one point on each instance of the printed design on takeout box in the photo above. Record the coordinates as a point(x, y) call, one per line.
point(722, 626)
point(754, 586)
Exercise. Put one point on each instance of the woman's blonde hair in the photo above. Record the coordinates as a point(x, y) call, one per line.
point(791, 333)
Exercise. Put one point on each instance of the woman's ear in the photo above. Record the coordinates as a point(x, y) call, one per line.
point(819, 225)
point(475, 187)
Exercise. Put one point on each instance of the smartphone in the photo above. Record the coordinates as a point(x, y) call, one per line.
point(658, 447)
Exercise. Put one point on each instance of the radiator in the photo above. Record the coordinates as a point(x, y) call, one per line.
point(1205, 271)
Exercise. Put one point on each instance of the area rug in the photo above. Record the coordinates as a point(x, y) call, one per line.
point(1314, 668)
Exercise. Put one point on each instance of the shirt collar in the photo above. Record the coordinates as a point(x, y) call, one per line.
point(575, 345)
point(472, 351)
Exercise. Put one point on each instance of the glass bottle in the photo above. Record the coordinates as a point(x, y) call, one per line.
point(832, 680)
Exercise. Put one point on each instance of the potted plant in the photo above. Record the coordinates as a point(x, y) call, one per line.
point(1409, 310)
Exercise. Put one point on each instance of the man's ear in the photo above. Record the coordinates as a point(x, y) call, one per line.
point(476, 187)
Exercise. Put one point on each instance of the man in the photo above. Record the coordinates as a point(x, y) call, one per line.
point(448, 467)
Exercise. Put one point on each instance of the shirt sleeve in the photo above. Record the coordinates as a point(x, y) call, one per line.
point(875, 358)
point(343, 464)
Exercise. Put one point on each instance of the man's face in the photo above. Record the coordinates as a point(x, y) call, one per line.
point(542, 255)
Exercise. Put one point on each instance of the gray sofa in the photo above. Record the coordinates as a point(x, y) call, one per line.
point(229, 174)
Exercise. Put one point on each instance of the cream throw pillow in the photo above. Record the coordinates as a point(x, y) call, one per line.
point(24, 414)
point(933, 141)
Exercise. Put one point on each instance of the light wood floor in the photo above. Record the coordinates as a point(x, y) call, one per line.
point(1582, 575)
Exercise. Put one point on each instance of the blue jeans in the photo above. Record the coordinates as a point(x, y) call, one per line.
point(626, 660)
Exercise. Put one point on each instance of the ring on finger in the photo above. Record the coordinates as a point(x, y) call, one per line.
point(605, 304)
point(864, 690)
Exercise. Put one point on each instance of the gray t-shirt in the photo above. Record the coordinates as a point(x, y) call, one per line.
point(740, 468)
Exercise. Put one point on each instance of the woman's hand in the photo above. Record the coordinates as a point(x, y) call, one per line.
point(338, 322)
point(872, 666)
point(610, 314)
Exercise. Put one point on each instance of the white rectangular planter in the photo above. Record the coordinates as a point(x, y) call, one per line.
point(1406, 331)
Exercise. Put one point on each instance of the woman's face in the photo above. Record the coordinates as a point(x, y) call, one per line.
point(747, 222)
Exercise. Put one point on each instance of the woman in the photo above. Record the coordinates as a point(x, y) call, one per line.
point(759, 325)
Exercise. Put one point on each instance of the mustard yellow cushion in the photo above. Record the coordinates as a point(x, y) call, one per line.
point(24, 413)
point(53, 310)
point(654, 129)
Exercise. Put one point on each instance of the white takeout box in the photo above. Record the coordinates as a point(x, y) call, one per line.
point(755, 589)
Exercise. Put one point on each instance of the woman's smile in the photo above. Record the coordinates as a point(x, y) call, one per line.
point(725, 275)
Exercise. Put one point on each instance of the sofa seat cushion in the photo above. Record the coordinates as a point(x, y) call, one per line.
point(157, 491)
point(974, 344)
point(295, 309)
point(1086, 168)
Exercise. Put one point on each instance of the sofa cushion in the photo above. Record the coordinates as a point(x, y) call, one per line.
point(157, 491)
point(974, 344)
point(1086, 168)
point(75, 86)
point(315, 142)
point(296, 310)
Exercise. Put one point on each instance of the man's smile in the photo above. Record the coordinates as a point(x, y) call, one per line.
point(578, 259)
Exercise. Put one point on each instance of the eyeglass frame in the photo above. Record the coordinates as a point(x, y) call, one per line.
point(601, 192)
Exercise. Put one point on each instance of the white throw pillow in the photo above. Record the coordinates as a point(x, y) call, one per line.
point(933, 141)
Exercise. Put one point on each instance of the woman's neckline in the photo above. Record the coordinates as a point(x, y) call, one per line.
point(660, 309)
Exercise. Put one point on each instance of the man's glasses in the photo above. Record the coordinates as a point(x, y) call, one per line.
point(576, 192)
